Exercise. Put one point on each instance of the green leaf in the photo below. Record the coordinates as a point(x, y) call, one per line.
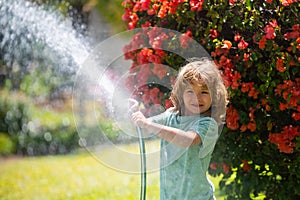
point(248, 5)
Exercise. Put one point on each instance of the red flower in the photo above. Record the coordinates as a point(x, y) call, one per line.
point(125, 16)
point(232, 2)
point(283, 106)
point(145, 4)
point(143, 56)
point(273, 23)
point(280, 65)
point(288, 2)
point(227, 44)
point(246, 166)
point(284, 139)
point(151, 12)
point(243, 128)
point(232, 118)
point(137, 41)
point(145, 94)
point(154, 95)
point(226, 168)
point(246, 87)
point(242, 44)
point(246, 57)
point(130, 82)
point(237, 37)
point(235, 78)
point(159, 70)
point(155, 59)
point(156, 37)
point(293, 34)
point(144, 73)
point(146, 24)
point(160, 53)
point(225, 62)
point(213, 166)
point(264, 102)
point(262, 42)
point(252, 126)
point(290, 91)
point(296, 116)
point(185, 38)
point(213, 33)
point(168, 103)
point(174, 4)
point(270, 32)
point(253, 93)
point(196, 4)
point(163, 9)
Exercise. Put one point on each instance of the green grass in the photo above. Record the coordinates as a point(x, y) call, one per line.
point(77, 177)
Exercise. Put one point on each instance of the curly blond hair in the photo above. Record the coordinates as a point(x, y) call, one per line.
point(205, 73)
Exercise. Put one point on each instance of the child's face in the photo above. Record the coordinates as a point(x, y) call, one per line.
point(196, 99)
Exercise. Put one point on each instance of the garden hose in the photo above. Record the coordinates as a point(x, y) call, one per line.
point(143, 164)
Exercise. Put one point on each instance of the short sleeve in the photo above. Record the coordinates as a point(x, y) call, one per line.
point(207, 129)
point(161, 118)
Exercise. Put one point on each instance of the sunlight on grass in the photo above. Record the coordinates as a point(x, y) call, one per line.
point(76, 177)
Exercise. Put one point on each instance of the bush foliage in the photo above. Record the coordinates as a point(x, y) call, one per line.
point(256, 46)
point(22, 134)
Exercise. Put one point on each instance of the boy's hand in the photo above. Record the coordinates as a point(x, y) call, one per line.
point(133, 105)
point(139, 119)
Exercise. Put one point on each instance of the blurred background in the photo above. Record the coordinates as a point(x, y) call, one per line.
point(35, 80)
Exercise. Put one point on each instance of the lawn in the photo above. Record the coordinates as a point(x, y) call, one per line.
point(77, 176)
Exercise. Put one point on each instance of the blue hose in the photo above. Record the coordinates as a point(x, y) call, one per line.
point(143, 164)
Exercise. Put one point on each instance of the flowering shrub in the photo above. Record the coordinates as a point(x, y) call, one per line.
point(256, 46)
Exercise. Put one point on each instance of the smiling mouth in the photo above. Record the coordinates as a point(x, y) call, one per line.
point(197, 105)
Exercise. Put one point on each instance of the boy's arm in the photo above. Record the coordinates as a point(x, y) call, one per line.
point(172, 135)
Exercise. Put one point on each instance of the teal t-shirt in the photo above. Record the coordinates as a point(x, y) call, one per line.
point(183, 170)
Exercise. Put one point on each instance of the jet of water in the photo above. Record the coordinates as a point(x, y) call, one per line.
point(23, 24)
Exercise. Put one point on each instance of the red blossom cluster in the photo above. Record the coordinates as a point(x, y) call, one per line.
point(283, 2)
point(252, 123)
point(288, 2)
point(196, 4)
point(232, 78)
point(223, 166)
point(145, 50)
point(185, 38)
point(249, 87)
point(284, 140)
point(236, 57)
point(290, 92)
point(213, 33)
point(246, 166)
point(160, 8)
point(269, 33)
point(232, 118)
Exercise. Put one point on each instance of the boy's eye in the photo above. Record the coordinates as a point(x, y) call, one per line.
point(189, 91)
point(205, 92)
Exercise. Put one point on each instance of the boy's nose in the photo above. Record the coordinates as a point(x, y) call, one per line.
point(199, 97)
